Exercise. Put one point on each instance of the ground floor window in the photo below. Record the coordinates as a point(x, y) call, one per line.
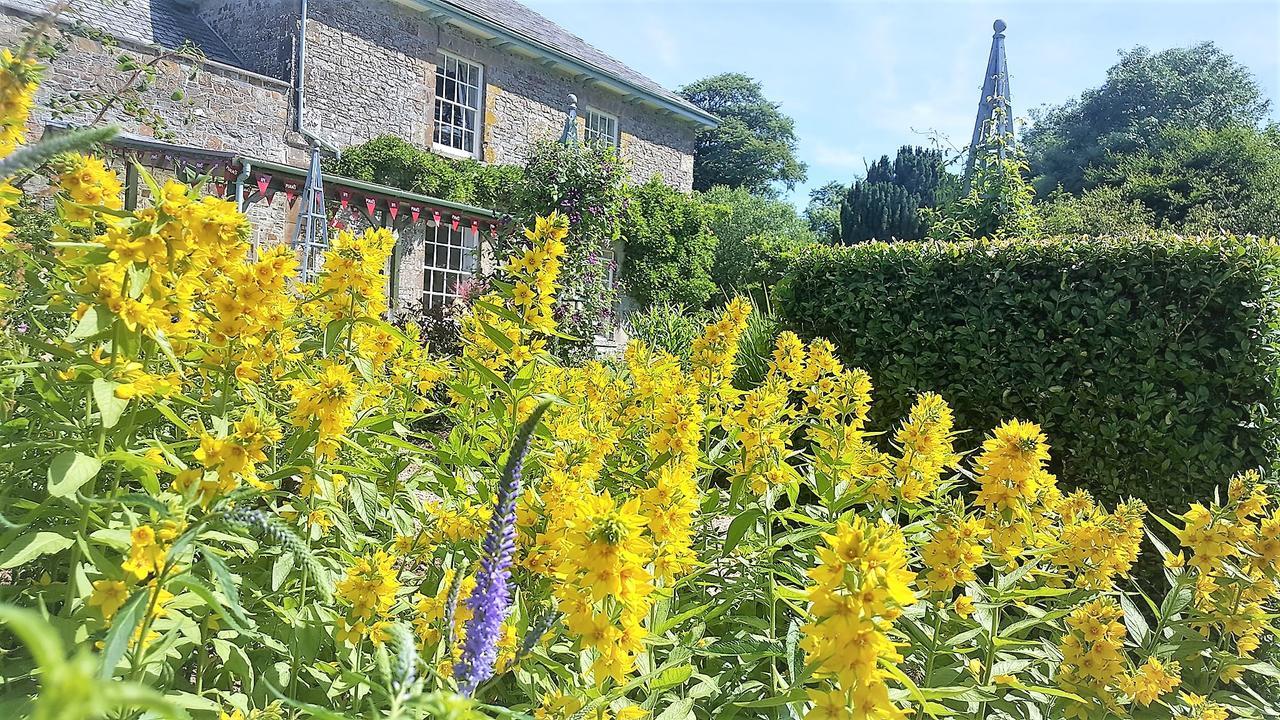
point(449, 258)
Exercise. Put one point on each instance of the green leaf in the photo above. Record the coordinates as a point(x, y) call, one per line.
point(679, 710)
point(1134, 621)
point(227, 584)
point(69, 471)
point(36, 633)
point(194, 584)
point(671, 677)
point(94, 322)
point(29, 547)
point(109, 406)
point(122, 627)
point(280, 570)
point(739, 526)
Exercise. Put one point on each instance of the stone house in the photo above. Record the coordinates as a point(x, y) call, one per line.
point(482, 79)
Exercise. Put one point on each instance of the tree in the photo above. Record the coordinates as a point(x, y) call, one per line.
point(880, 211)
point(823, 211)
point(1145, 94)
point(669, 247)
point(886, 204)
point(755, 237)
point(754, 146)
point(1204, 180)
point(920, 171)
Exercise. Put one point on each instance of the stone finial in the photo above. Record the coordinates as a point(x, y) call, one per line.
point(570, 134)
point(999, 26)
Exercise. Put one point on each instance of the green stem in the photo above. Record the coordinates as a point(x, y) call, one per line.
point(990, 656)
point(773, 603)
point(933, 649)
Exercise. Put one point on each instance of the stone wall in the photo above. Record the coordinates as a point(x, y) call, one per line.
point(194, 103)
point(393, 81)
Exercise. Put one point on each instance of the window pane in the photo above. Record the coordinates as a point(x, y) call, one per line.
point(457, 103)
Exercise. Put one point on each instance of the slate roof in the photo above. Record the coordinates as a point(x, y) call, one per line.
point(167, 23)
point(517, 19)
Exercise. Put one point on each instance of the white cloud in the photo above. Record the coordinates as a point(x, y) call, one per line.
point(663, 44)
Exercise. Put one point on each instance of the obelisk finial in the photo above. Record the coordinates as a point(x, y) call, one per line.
point(995, 108)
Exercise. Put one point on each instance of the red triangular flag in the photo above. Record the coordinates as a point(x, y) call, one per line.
point(263, 182)
point(415, 211)
point(346, 197)
point(290, 190)
point(370, 204)
point(394, 208)
point(454, 224)
point(435, 217)
point(475, 226)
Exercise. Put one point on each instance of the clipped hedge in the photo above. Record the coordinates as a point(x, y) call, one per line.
point(1151, 362)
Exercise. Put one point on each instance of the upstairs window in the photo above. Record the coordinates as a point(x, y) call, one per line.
point(601, 127)
point(458, 86)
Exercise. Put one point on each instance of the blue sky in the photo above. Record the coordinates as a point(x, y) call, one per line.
point(862, 78)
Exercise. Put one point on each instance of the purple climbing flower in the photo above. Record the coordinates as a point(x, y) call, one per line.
point(490, 601)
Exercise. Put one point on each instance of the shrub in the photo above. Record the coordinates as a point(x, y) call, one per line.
point(1152, 359)
point(666, 327)
point(754, 237)
point(669, 247)
point(1100, 211)
point(395, 162)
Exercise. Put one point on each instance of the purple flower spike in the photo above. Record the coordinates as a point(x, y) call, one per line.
point(490, 601)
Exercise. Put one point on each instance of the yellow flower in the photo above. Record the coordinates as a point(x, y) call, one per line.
point(146, 554)
point(18, 77)
point(861, 585)
point(108, 596)
point(1152, 680)
point(87, 182)
point(370, 586)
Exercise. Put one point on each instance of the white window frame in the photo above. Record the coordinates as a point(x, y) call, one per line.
point(449, 257)
point(441, 104)
point(591, 131)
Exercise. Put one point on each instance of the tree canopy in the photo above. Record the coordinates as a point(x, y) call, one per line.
point(1145, 94)
point(823, 211)
point(886, 204)
point(754, 147)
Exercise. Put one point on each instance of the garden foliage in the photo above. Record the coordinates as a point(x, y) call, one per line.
point(241, 496)
point(390, 160)
point(670, 248)
point(1152, 358)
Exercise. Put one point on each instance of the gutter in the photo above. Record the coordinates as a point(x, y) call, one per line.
point(537, 47)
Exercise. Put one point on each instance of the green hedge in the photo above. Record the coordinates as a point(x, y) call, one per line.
point(1150, 362)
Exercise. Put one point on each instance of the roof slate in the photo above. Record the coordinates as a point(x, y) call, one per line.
point(167, 23)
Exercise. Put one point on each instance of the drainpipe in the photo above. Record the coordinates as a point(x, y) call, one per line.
point(299, 66)
point(245, 168)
